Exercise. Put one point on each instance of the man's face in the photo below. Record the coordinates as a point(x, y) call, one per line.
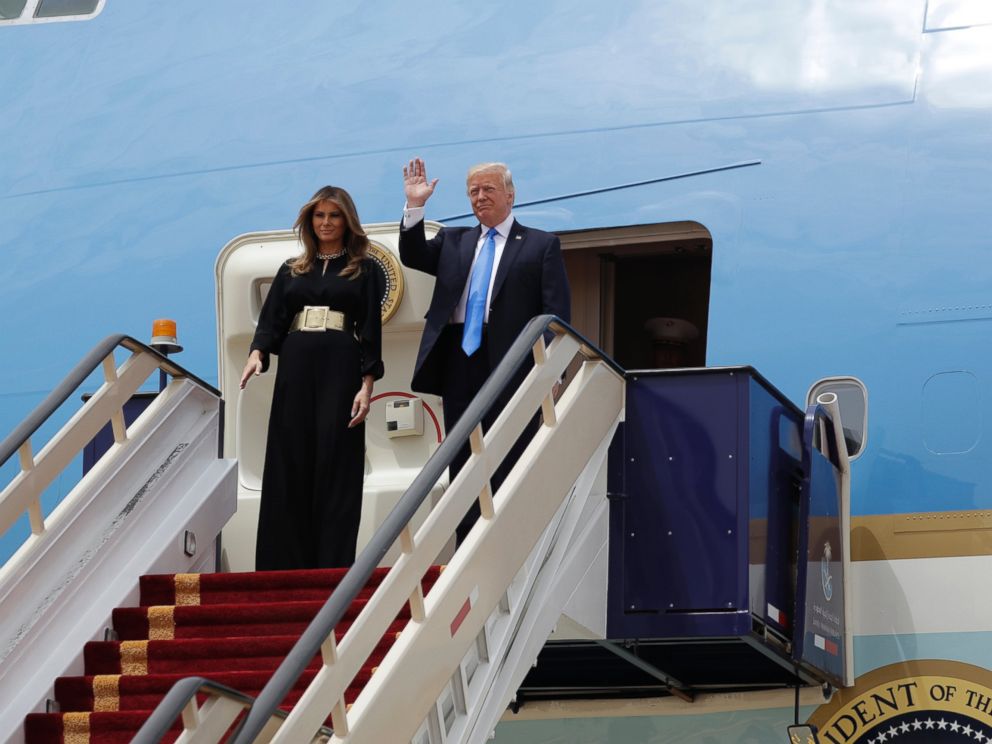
point(491, 201)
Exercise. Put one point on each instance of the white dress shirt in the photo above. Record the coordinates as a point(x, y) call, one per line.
point(413, 215)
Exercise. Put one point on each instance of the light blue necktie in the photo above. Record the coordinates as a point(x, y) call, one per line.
point(478, 288)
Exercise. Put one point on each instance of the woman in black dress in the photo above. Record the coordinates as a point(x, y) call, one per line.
point(322, 318)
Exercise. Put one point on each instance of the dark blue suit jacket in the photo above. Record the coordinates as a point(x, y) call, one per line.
point(530, 280)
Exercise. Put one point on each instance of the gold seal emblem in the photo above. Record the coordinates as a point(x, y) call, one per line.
point(392, 273)
point(927, 700)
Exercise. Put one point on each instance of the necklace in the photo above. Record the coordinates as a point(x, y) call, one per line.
point(328, 256)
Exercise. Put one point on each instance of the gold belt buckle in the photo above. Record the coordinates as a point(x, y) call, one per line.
point(314, 318)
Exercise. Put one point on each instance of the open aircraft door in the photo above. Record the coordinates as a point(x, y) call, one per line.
point(394, 454)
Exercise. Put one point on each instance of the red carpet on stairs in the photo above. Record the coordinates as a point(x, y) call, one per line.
point(232, 628)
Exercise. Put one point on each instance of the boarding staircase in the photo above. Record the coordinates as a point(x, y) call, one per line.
point(443, 651)
point(152, 504)
point(234, 627)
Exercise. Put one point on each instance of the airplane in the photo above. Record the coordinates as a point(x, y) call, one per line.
point(792, 188)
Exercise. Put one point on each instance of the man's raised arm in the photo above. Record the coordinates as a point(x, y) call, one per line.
point(414, 249)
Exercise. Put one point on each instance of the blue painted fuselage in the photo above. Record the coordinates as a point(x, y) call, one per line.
point(135, 145)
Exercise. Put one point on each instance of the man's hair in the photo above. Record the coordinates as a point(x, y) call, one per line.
point(493, 168)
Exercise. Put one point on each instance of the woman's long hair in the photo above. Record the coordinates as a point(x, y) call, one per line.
point(356, 244)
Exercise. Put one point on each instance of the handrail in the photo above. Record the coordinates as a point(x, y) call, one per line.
point(385, 537)
point(86, 366)
point(181, 693)
point(819, 416)
point(185, 690)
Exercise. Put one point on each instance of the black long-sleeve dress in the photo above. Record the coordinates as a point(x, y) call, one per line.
point(314, 464)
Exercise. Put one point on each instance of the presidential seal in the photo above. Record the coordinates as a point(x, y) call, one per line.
point(391, 271)
point(931, 701)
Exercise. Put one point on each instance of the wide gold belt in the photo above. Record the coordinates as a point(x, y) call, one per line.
point(318, 318)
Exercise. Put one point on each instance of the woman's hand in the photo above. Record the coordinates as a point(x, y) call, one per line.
point(252, 368)
point(363, 399)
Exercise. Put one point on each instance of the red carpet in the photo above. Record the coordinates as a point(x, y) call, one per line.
point(232, 628)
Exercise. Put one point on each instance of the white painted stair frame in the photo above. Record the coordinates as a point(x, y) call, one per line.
point(516, 631)
point(567, 553)
point(414, 674)
point(127, 516)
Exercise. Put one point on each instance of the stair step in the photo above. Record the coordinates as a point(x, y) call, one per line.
point(201, 656)
point(258, 586)
point(102, 727)
point(234, 629)
point(223, 620)
point(130, 693)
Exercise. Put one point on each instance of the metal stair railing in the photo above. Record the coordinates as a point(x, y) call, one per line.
point(200, 722)
point(474, 584)
point(23, 493)
point(428, 652)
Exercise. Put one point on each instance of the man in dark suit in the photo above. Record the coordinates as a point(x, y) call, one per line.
point(491, 279)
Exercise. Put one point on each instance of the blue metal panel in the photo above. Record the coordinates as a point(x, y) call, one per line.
point(704, 475)
point(681, 512)
point(818, 640)
point(775, 470)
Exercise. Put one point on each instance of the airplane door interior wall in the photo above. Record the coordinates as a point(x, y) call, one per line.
point(642, 293)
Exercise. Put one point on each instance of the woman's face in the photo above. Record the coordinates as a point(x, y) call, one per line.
point(329, 225)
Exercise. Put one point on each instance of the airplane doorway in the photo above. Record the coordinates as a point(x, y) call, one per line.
point(642, 293)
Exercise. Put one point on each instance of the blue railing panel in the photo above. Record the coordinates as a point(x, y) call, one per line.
point(818, 640)
point(704, 489)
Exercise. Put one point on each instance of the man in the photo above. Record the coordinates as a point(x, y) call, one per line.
point(491, 280)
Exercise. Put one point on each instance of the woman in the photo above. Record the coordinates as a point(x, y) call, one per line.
point(322, 318)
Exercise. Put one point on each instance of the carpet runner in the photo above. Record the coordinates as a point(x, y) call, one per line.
point(233, 628)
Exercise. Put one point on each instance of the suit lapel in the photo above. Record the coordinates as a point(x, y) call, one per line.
point(511, 252)
point(466, 253)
